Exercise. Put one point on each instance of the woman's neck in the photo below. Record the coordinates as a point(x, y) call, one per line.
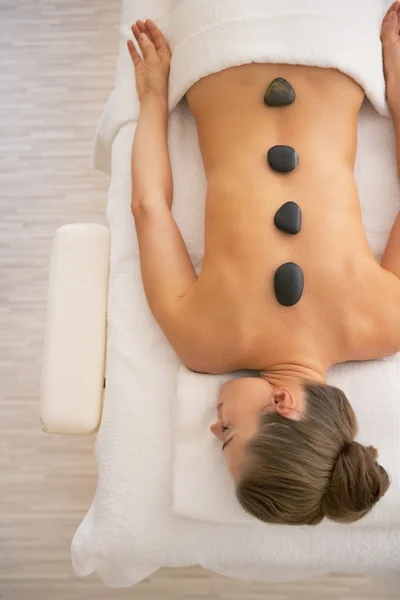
point(283, 374)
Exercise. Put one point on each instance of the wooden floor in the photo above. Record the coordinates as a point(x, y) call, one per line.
point(57, 62)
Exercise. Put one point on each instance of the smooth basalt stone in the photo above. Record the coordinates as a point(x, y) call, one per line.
point(283, 158)
point(288, 218)
point(279, 93)
point(289, 284)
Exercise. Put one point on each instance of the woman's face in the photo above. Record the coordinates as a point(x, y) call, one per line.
point(240, 405)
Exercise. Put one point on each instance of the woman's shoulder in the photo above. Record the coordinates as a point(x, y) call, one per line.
point(375, 327)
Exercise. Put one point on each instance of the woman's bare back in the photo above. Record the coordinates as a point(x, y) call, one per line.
point(348, 299)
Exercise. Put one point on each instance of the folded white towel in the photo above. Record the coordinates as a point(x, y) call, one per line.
point(207, 36)
point(131, 529)
point(210, 35)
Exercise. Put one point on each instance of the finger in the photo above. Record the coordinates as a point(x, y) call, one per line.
point(141, 26)
point(393, 25)
point(144, 29)
point(394, 6)
point(159, 40)
point(146, 46)
point(136, 32)
point(135, 56)
point(389, 35)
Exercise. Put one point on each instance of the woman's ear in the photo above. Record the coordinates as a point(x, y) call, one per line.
point(285, 402)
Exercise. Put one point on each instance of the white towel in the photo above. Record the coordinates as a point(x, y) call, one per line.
point(207, 36)
point(202, 486)
point(210, 35)
point(131, 529)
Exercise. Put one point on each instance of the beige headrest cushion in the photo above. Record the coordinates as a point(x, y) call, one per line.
point(75, 340)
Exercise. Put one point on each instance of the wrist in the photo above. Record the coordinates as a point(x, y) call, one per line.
point(154, 101)
point(395, 113)
point(393, 97)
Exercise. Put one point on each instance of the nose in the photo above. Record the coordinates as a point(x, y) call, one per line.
point(217, 431)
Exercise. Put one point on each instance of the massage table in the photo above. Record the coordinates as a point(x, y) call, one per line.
point(164, 496)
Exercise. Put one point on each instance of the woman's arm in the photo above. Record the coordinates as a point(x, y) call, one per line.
point(166, 268)
point(391, 62)
point(151, 166)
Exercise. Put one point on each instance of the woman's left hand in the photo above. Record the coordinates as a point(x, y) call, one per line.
point(152, 71)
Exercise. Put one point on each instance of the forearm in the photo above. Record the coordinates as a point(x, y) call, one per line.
point(396, 122)
point(151, 166)
point(391, 256)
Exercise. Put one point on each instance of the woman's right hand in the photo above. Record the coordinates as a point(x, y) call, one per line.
point(152, 71)
point(391, 56)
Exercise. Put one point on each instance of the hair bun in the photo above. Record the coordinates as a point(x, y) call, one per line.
point(357, 483)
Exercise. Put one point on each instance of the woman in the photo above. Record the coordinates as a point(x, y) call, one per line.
point(288, 291)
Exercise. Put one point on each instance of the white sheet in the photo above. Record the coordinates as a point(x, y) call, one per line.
point(131, 529)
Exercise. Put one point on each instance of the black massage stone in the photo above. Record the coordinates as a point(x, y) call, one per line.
point(288, 218)
point(283, 158)
point(279, 93)
point(288, 284)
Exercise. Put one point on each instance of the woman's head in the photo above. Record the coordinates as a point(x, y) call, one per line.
point(240, 405)
point(292, 453)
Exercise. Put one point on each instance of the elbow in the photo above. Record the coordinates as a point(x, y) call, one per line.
point(139, 208)
point(154, 200)
point(136, 205)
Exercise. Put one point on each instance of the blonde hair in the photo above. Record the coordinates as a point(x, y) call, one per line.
point(296, 472)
